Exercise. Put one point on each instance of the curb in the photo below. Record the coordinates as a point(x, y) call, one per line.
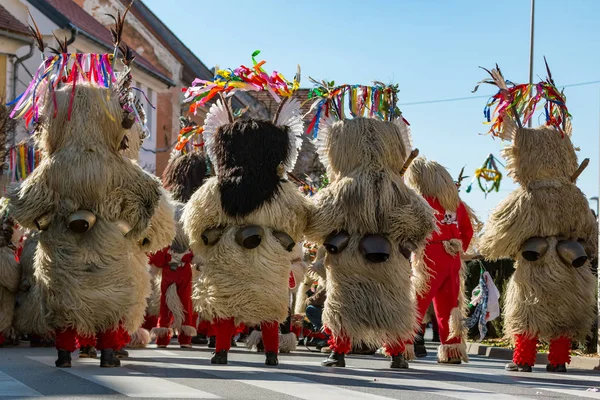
point(500, 353)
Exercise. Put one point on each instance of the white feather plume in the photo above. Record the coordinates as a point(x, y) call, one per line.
point(322, 139)
point(216, 117)
point(405, 132)
point(290, 116)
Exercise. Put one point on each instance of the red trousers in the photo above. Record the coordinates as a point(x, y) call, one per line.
point(84, 341)
point(225, 329)
point(343, 345)
point(2, 339)
point(205, 327)
point(526, 350)
point(66, 339)
point(444, 288)
point(182, 279)
point(150, 321)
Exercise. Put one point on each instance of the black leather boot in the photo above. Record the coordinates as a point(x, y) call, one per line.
point(212, 342)
point(121, 353)
point(200, 339)
point(419, 345)
point(219, 357)
point(556, 368)
point(518, 367)
point(335, 360)
point(88, 352)
point(64, 359)
point(271, 358)
point(398, 362)
point(108, 359)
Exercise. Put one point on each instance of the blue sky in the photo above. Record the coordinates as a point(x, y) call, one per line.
point(431, 48)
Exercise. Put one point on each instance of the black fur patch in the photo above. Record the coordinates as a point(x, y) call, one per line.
point(184, 174)
point(247, 156)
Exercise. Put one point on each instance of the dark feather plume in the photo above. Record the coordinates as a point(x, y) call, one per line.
point(37, 35)
point(117, 31)
point(63, 47)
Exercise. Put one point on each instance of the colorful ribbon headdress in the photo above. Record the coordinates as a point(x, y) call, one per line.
point(62, 68)
point(331, 102)
point(228, 82)
point(518, 103)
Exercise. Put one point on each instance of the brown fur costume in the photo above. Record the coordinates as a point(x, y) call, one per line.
point(9, 274)
point(367, 303)
point(92, 281)
point(249, 285)
point(545, 298)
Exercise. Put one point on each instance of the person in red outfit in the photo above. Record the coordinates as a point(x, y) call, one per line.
point(176, 297)
point(443, 254)
point(184, 174)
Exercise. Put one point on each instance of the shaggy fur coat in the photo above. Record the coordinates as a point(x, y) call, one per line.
point(546, 298)
point(369, 303)
point(95, 280)
point(249, 285)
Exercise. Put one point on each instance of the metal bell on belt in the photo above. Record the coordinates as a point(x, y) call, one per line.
point(212, 235)
point(250, 236)
point(534, 248)
point(43, 222)
point(286, 240)
point(375, 248)
point(572, 253)
point(81, 221)
point(336, 242)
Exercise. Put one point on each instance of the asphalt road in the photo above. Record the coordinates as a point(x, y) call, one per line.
point(174, 373)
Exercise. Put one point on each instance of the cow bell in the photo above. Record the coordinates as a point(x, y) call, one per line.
point(286, 240)
point(534, 248)
point(81, 221)
point(249, 236)
point(375, 248)
point(123, 226)
point(407, 248)
point(336, 242)
point(43, 222)
point(572, 253)
point(212, 235)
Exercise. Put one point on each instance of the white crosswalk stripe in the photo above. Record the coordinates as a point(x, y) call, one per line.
point(129, 383)
point(10, 387)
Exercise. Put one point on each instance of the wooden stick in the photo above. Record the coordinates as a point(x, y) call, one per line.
point(409, 160)
point(579, 171)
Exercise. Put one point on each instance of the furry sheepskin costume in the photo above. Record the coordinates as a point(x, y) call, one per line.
point(541, 294)
point(443, 255)
point(547, 227)
point(10, 274)
point(249, 198)
point(98, 214)
point(370, 302)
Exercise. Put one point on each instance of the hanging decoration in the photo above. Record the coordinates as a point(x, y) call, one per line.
point(22, 160)
point(488, 176)
point(377, 101)
point(486, 300)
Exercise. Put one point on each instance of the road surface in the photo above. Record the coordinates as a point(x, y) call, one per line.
point(175, 373)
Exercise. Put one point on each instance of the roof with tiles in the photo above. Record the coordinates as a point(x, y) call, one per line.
point(9, 23)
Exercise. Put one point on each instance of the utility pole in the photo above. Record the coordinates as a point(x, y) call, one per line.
point(529, 124)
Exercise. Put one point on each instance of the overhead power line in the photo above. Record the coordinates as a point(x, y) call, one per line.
point(415, 103)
